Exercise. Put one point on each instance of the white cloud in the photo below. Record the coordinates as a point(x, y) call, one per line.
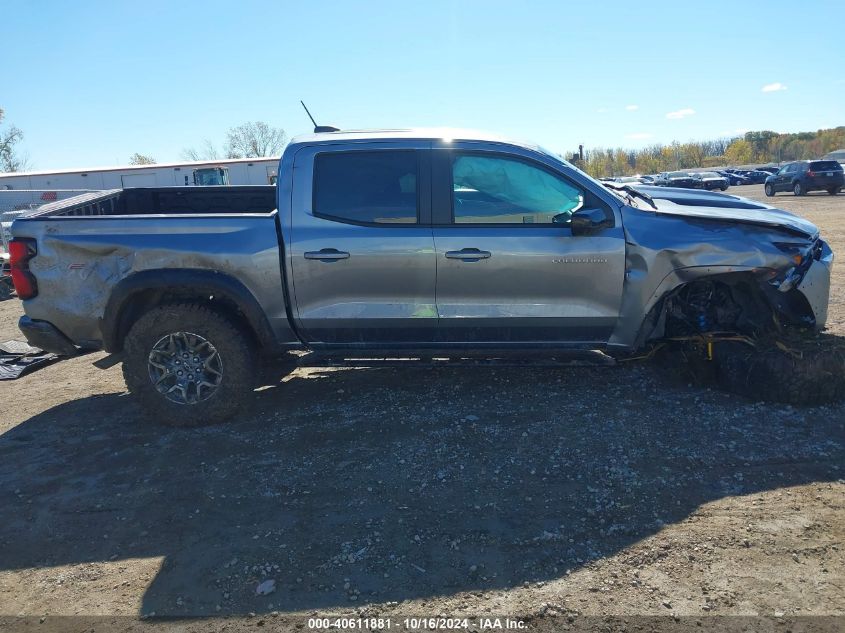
point(631, 108)
point(680, 114)
point(775, 87)
point(638, 136)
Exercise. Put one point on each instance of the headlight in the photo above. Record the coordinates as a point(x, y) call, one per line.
point(800, 253)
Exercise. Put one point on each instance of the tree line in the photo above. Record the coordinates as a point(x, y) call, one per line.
point(256, 139)
point(752, 147)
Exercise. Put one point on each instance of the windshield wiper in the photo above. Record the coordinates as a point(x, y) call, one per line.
point(632, 193)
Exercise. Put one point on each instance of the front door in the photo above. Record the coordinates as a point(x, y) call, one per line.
point(509, 269)
point(781, 179)
point(362, 254)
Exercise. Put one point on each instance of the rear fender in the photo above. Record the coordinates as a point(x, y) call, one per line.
point(141, 291)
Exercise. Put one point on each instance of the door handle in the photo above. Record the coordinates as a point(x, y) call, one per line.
point(468, 254)
point(327, 255)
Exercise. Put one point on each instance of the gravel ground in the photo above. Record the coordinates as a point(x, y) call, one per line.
point(535, 493)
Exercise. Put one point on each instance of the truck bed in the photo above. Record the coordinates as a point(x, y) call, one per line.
point(165, 201)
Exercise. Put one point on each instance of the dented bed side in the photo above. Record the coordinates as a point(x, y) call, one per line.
point(81, 260)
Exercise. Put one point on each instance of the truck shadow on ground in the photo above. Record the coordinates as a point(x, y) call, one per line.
point(349, 487)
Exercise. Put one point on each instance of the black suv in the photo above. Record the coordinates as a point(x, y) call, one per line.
point(807, 175)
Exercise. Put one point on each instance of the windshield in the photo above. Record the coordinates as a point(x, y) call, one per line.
point(708, 174)
point(581, 172)
point(679, 174)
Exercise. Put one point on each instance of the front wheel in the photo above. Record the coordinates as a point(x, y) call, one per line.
point(798, 189)
point(188, 365)
point(834, 190)
point(812, 373)
point(770, 190)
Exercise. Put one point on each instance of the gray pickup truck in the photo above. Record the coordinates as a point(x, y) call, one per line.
point(438, 243)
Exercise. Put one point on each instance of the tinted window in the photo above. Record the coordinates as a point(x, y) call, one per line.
point(825, 165)
point(369, 187)
point(489, 190)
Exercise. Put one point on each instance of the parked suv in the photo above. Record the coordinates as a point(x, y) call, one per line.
point(807, 175)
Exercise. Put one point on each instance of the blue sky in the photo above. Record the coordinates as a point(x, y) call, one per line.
point(92, 82)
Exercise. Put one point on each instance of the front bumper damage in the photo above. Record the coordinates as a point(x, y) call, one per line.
point(815, 284)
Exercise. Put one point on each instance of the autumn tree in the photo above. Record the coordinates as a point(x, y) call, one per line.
point(740, 152)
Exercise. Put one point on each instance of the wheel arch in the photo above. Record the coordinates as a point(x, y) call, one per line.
point(748, 289)
point(138, 293)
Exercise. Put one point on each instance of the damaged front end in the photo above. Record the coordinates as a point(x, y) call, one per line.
point(802, 292)
point(714, 272)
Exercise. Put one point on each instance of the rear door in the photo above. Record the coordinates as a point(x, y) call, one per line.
point(362, 250)
point(508, 267)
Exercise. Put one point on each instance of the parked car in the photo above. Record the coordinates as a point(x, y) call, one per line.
point(710, 180)
point(378, 242)
point(755, 177)
point(804, 176)
point(678, 179)
point(770, 170)
point(734, 179)
point(629, 180)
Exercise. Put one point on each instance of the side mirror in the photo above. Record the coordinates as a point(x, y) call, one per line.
point(586, 221)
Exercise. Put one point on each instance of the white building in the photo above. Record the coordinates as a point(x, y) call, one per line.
point(237, 171)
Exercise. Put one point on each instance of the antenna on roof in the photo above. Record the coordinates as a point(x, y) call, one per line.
point(318, 128)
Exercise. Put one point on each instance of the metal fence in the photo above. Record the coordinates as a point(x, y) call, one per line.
point(16, 202)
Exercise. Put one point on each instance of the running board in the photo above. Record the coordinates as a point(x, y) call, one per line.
point(483, 358)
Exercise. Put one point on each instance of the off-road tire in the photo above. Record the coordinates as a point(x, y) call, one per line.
point(810, 375)
point(798, 189)
point(233, 344)
point(770, 190)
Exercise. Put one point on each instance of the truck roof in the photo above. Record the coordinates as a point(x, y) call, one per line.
point(417, 134)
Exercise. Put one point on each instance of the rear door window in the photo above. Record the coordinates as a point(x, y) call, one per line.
point(367, 187)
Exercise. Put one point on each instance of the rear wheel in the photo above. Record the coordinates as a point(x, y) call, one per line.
point(770, 190)
point(189, 365)
point(798, 189)
point(834, 190)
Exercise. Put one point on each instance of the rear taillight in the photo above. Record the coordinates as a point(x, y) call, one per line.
point(20, 252)
point(811, 173)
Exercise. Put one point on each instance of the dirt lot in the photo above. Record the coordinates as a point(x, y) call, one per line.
point(536, 493)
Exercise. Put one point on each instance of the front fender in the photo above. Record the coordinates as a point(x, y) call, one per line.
point(639, 303)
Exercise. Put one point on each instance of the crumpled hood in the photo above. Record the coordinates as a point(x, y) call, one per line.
point(720, 206)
